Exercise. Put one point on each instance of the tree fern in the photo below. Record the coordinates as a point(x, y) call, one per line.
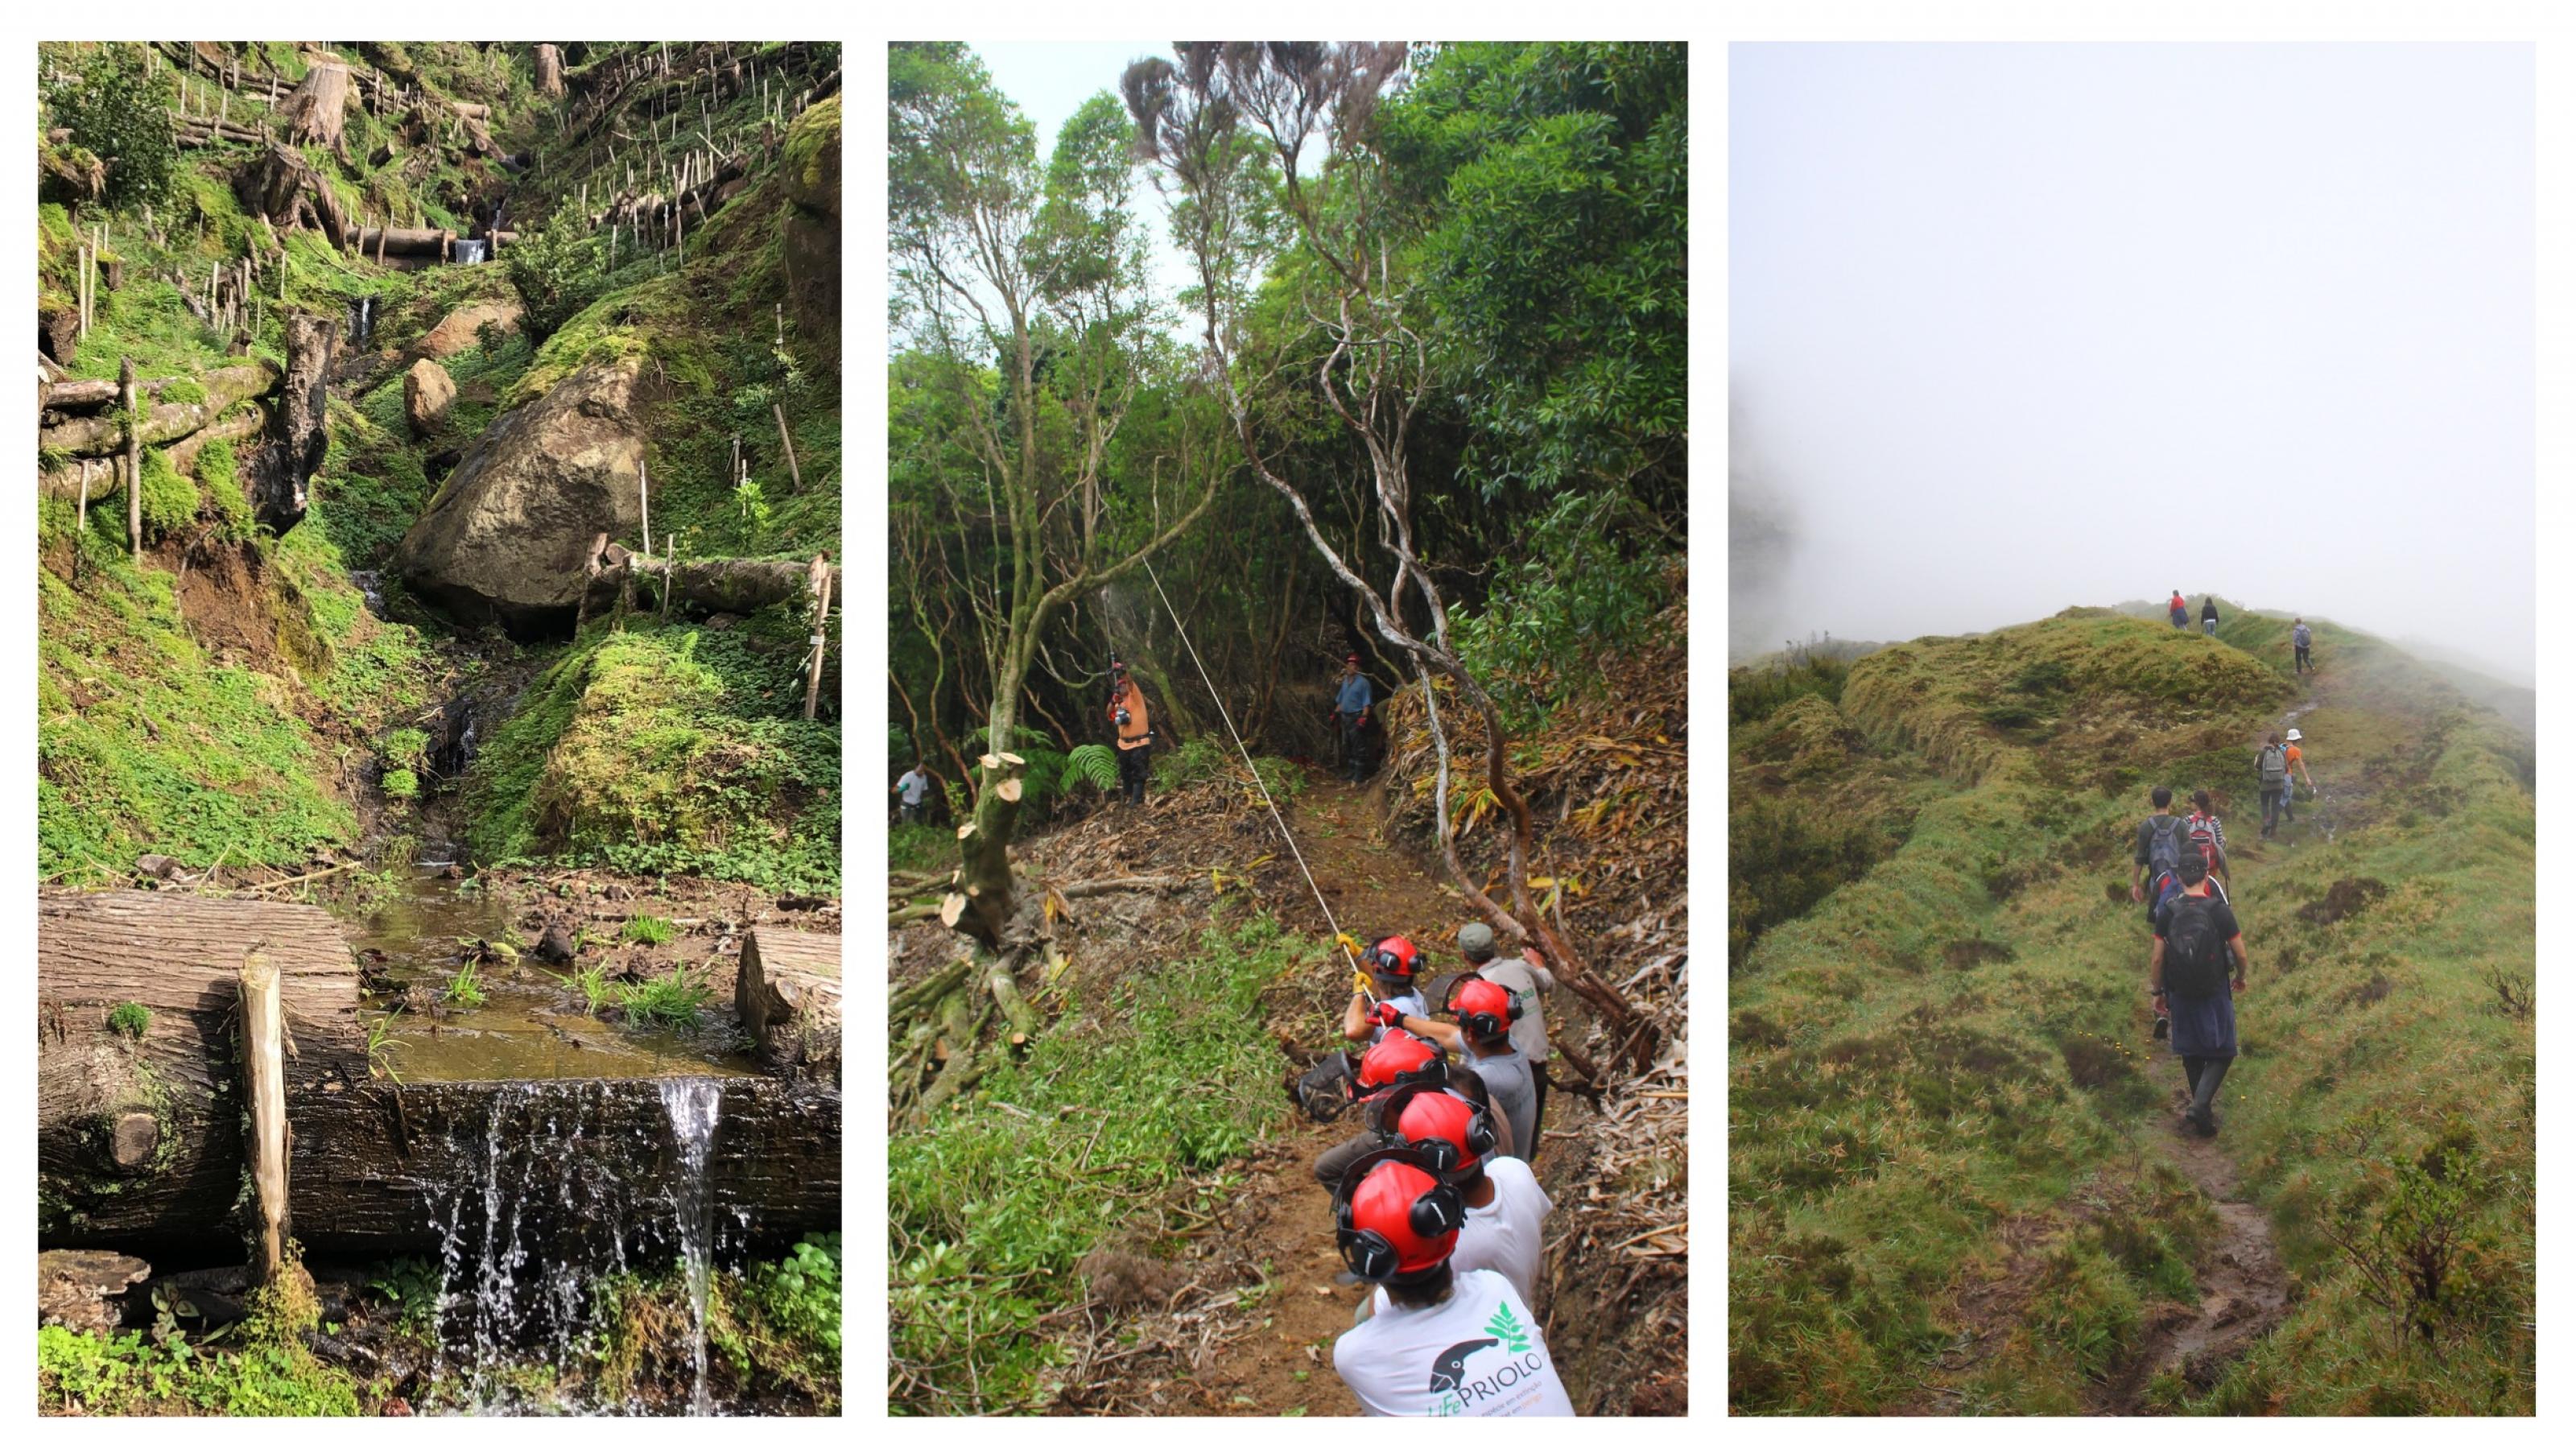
point(1094, 763)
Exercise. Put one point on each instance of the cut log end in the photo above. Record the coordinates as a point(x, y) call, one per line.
point(136, 1137)
point(1009, 790)
point(950, 909)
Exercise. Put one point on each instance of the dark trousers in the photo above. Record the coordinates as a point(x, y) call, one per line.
point(2204, 1074)
point(1355, 759)
point(1132, 764)
point(2299, 662)
point(1538, 1112)
point(2272, 798)
point(1334, 1161)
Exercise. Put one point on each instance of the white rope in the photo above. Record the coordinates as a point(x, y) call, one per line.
point(1222, 713)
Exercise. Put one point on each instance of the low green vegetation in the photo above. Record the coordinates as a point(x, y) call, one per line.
point(130, 1019)
point(465, 987)
point(258, 1368)
point(649, 930)
point(666, 749)
point(1190, 1076)
point(676, 1001)
point(1940, 1075)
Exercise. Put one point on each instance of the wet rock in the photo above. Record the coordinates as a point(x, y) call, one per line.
point(506, 538)
point(159, 867)
point(463, 328)
point(85, 1289)
point(428, 394)
point(555, 945)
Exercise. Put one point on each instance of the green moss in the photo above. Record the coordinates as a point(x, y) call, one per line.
point(130, 1019)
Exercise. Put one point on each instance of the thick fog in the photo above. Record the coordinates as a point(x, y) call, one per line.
point(2016, 327)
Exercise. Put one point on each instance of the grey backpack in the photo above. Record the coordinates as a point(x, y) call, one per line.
point(2165, 837)
point(2274, 766)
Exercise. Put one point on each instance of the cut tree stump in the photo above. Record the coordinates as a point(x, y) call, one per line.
point(84, 1289)
point(787, 991)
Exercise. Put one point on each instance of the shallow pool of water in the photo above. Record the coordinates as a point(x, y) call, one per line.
point(532, 1024)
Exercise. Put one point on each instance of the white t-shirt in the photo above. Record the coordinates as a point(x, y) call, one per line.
point(1507, 1234)
point(1410, 1003)
point(1477, 1353)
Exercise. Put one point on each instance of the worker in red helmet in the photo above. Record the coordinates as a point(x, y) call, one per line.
point(1397, 1059)
point(1458, 1139)
point(1483, 1013)
point(1449, 1341)
point(1394, 967)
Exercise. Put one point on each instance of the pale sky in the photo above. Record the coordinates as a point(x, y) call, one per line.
point(2015, 327)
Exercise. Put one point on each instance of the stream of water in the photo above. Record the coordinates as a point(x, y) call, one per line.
point(693, 1102)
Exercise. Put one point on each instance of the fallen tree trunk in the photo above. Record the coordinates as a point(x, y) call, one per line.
point(787, 991)
point(106, 476)
point(138, 1123)
point(405, 241)
point(163, 422)
point(137, 1151)
point(715, 585)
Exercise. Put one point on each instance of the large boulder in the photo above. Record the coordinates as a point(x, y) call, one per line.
point(463, 327)
point(812, 224)
point(507, 537)
point(428, 392)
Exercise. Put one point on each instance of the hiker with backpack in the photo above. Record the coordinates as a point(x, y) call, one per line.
point(2208, 834)
point(2272, 774)
point(2209, 615)
point(2299, 640)
point(2198, 945)
point(2297, 767)
point(2163, 840)
point(2180, 611)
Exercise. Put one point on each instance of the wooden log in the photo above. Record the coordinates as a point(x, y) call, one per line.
point(794, 475)
point(787, 991)
point(927, 990)
point(263, 1033)
point(249, 420)
point(819, 578)
point(138, 1123)
point(83, 1288)
point(163, 422)
point(404, 241)
point(550, 76)
point(316, 111)
point(721, 585)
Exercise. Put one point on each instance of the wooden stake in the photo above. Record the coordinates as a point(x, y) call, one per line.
point(819, 578)
point(263, 1024)
point(644, 502)
point(784, 441)
point(133, 459)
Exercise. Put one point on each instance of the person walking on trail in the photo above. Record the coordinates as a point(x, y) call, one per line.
point(912, 790)
point(2300, 638)
point(1506, 1208)
point(1527, 978)
point(2297, 764)
point(2272, 774)
point(2179, 611)
point(1482, 1034)
point(1402, 1059)
point(2209, 615)
point(1352, 699)
point(2198, 943)
point(1450, 1342)
point(1134, 729)
point(2163, 840)
point(2168, 884)
point(2208, 833)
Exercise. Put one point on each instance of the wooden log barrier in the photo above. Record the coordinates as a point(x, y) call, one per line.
point(787, 991)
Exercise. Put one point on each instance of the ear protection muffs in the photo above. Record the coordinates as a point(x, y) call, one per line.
point(1439, 1153)
point(1485, 1008)
point(1378, 1250)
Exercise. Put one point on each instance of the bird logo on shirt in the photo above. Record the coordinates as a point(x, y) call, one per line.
point(1451, 1369)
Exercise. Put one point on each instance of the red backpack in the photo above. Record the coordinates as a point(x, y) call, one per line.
point(2204, 833)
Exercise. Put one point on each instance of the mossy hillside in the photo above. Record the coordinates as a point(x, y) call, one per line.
point(1949, 1055)
point(667, 749)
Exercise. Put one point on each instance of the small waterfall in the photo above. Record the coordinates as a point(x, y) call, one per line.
point(470, 251)
point(693, 1102)
point(362, 322)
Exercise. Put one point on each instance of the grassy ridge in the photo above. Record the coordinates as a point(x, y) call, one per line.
point(1940, 1075)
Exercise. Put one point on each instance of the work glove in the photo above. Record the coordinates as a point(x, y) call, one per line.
point(1363, 719)
point(1389, 1014)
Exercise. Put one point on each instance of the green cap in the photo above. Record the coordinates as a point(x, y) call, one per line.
point(1476, 939)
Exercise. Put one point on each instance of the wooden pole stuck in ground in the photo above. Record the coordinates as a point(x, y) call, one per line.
point(133, 458)
point(263, 1020)
point(785, 442)
point(819, 575)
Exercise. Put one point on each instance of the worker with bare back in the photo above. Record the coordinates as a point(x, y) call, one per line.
point(1134, 730)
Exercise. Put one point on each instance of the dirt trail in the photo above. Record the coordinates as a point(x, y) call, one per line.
point(2244, 1290)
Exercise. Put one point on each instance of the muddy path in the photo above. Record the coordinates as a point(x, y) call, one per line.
point(2244, 1289)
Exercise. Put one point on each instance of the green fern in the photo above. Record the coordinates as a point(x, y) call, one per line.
point(1095, 764)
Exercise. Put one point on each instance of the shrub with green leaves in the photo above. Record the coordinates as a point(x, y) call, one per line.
point(119, 112)
point(559, 268)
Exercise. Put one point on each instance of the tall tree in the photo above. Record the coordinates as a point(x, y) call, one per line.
point(1225, 113)
point(1038, 274)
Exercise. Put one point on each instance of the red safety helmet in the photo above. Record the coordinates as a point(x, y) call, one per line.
point(1398, 1059)
point(1485, 1008)
point(1392, 956)
point(1393, 1218)
point(1452, 1134)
